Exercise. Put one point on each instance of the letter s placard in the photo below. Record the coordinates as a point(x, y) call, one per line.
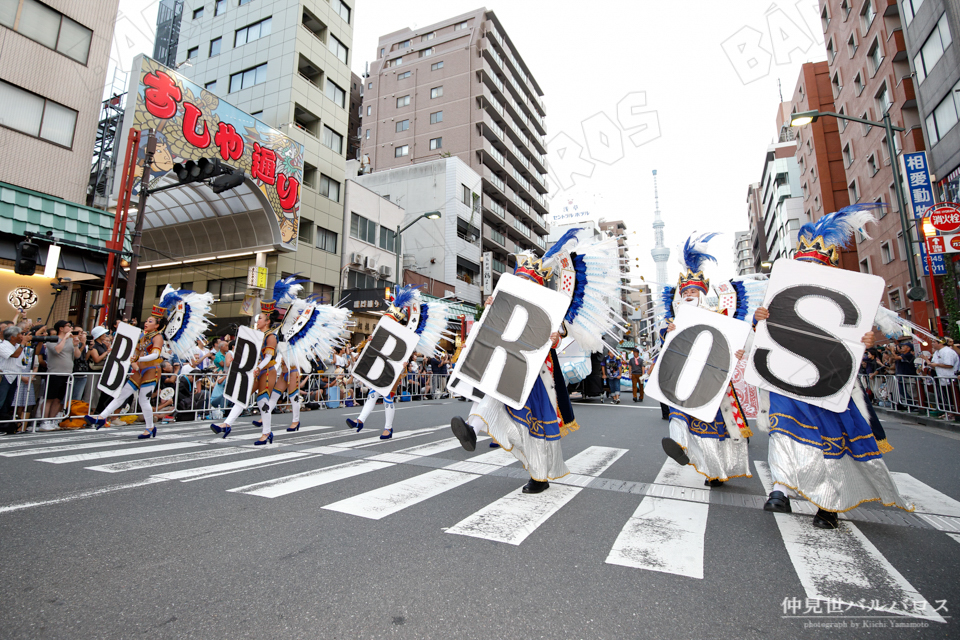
point(697, 361)
point(505, 350)
point(810, 348)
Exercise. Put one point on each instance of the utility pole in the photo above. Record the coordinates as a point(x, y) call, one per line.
point(138, 231)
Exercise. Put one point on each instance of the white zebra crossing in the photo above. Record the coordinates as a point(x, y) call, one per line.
point(666, 535)
point(835, 564)
point(115, 453)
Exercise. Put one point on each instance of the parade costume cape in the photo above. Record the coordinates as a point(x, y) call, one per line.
point(833, 459)
point(428, 319)
point(186, 313)
point(312, 330)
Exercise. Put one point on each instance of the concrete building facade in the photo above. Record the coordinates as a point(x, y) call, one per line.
point(743, 253)
point(459, 88)
point(758, 238)
point(781, 203)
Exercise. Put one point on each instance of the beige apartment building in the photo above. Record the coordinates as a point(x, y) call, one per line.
point(460, 88)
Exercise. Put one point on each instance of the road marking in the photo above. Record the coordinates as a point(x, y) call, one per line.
point(202, 473)
point(30, 441)
point(384, 501)
point(65, 447)
point(79, 495)
point(665, 535)
point(116, 453)
point(375, 440)
point(955, 536)
point(179, 458)
point(512, 518)
point(309, 479)
point(925, 498)
point(835, 565)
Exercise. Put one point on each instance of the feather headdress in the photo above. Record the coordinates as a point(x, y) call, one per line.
point(692, 258)
point(821, 241)
point(186, 312)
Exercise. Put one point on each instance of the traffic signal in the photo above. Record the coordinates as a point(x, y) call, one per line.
point(27, 255)
point(222, 178)
point(230, 179)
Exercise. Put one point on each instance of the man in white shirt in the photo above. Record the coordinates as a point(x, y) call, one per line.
point(10, 351)
point(945, 363)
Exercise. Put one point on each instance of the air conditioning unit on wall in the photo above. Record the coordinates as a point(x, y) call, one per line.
point(385, 271)
point(357, 258)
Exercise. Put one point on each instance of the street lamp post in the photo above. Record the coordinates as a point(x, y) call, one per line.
point(803, 118)
point(429, 215)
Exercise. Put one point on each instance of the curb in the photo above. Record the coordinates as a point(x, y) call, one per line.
point(918, 419)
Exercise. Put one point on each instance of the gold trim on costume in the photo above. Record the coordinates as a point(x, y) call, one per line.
point(886, 504)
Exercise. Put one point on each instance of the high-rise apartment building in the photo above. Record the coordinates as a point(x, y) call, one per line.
point(287, 63)
point(758, 238)
point(460, 88)
point(169, 15)
point(781, 203)
point(932, 30)
point(52, 72)
point(743, 255)
point(617, 229)
point(870, 76)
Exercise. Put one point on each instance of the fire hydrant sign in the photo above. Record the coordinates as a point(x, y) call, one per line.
point(945, 217)
point(943, 244)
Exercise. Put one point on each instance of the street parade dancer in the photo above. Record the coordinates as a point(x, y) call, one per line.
point(834, 460)
point(717, 449)
point(429, 321)
point(590, 275)
point(180, 318)
point(285, 291)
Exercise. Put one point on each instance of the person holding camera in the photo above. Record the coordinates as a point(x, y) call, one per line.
point(59, 359)
point(11, 351)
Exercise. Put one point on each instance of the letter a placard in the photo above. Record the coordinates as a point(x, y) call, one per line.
point(810, 348)
point(697, 362)
point(381, 361)
point(505, 350)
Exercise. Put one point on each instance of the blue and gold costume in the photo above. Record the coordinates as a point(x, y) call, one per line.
point(149, 370)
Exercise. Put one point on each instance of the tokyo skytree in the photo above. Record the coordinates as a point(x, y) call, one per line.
point(659, 252)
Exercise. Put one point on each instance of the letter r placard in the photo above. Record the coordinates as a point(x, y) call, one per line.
point(381, 361)
point(505, 350)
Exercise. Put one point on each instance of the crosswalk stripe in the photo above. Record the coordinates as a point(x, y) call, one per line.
point(179, 458)
point(512, 518)
point(375, 440)
point(77, 495)
point(202, 473)
point(309, 479)
point(955, 536)
point(42, 440)
point(665, 535)
point(384, 501)
point(64, 447)
point(835, 564)
point(925, 498)
point(116, 453)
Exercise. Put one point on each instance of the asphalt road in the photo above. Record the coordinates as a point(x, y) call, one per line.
point(332, 534)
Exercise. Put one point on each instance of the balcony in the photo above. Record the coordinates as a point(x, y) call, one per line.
point(491, 235)
point(897, 45)
point(495, 207)
point(525, 94)
point(467, 291)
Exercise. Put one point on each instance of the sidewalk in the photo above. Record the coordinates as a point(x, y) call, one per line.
point(919, 418)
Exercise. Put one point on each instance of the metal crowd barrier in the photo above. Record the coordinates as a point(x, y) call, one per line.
point(931, 395)
point(195, 396)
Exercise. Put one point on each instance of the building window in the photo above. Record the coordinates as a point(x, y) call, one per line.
point(865, 265)
point(842, 123)
point(831, 50)
point(945, 116)
point(329, 188)
point(886, 253)
point(875, 56)
point(219, 7)
point(248, 78)
point(825, 18)
point(847, 155)
point(460, 25)
point(436, 143)
point(854, 191)
point(332, 140)
point(339, 49)
point(858, 85)
point(363, 229)
point(845, 8)
point(896, 303)
point(436, 92)
point(252, 32)
point(310, 174)
point(900, 247)
point(404, 75)
point(428, 36)
point(401, 151)
point(835, 84)
point(342, 10)
point(402, 102)
point(872, 164)
point(865, 128)
point(403, 45)
point(367, 134)
point(852, 45)
point(892, 199)
point(388, 239)
point(215, 47)
point(436, 117)
point(427, 52)
point(436, 65)
point(396, 62)
point(193, 52)
point(816, 205)
point(335, 93)
point(932, 50)
point(403, 125)
point(369, 109)
point(242, 2)
point(211, 86)
point(883, 99)
point(305, 231)
point(228, 290)
point(910, 10)
point(326, 240)
point(466, 196)
point(382, 52)
point(867, 14)
point(198, 13)
point(37, 116)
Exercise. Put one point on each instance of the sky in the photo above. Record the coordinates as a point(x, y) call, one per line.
point(689, 89)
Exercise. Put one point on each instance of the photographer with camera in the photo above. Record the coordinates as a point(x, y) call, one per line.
point(11, 350)
point(60, 359)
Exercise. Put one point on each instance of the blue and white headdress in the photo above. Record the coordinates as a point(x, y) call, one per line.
point(186, 312)
point(821, 241)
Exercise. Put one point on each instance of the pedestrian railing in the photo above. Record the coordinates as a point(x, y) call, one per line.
point(920, 394)
point(197, 395)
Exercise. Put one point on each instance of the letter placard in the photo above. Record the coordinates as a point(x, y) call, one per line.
point(505, 350)
point(381, 361)
point(117, 365)
point(697, 361)
point(810, 348)
point(246, 356)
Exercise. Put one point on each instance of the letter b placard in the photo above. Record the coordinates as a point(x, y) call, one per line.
point(381, 361)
